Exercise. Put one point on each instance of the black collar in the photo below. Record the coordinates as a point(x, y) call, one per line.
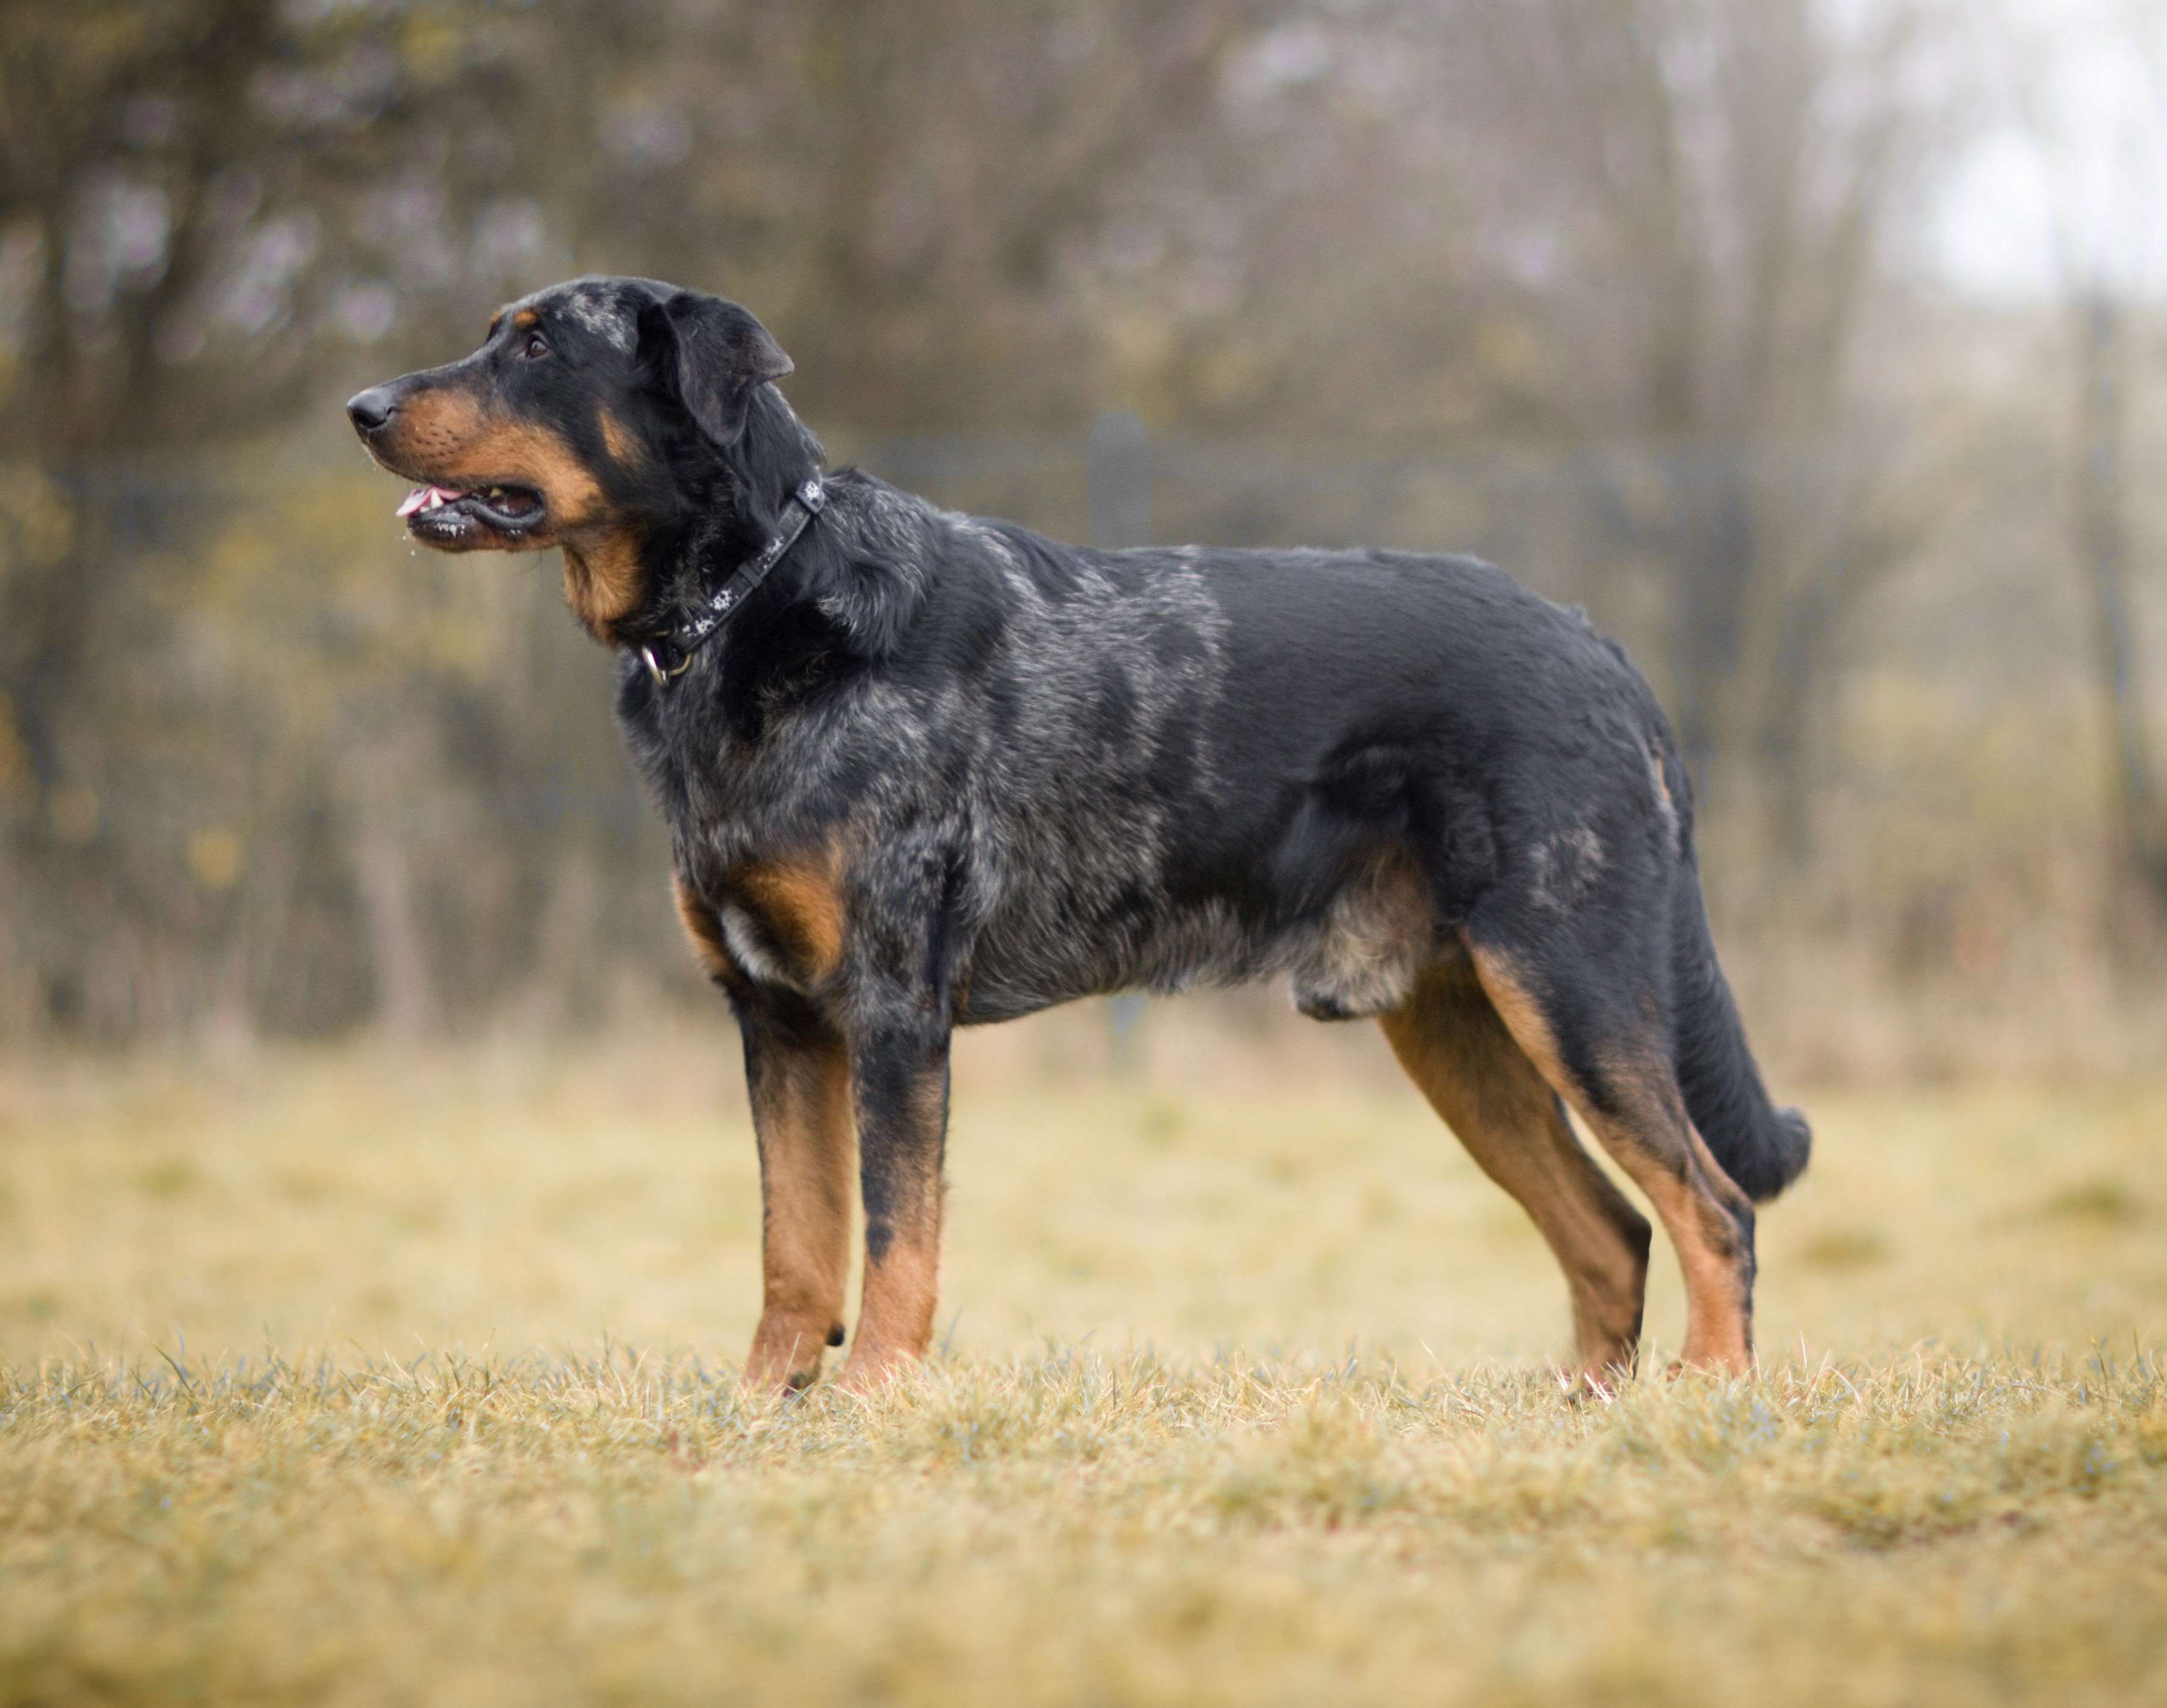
point(695, 629)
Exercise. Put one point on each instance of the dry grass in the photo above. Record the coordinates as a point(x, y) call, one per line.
point(1243, 1401)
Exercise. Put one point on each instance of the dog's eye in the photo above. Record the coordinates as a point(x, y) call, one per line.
point(535, 348)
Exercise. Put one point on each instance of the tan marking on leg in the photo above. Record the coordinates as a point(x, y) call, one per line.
point(903, 1284)
point(895, 1322)
point(1458, 1052)
point(1649, 1136)
point(801, 1103)
point(1524, 1019)
point(1647, 1070)
point(800, 901)
point(1703, 1192)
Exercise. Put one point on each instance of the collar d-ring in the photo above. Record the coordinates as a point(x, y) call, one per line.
point(656, 673)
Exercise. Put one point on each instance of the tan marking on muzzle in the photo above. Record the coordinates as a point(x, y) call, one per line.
point(447, 437)
point(519, 454)
point(443, 435)
point(431, 424)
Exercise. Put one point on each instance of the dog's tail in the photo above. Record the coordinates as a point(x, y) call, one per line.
point(1760, 1147)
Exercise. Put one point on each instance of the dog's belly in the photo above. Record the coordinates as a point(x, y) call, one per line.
point(1025, 960)
point(1363, 956)
point(1359, 956)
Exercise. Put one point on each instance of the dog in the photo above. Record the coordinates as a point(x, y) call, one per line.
point(924, 770)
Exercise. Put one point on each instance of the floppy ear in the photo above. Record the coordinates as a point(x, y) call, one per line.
point(712, 354)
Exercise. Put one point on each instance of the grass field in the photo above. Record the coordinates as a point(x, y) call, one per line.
point(354, 1378)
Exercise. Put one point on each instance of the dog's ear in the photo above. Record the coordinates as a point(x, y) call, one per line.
point(711, 355)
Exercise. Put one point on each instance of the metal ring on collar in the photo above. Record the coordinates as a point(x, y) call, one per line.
point(659, 675)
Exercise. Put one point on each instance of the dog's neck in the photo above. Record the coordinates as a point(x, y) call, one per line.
point(741, 506)
point(841, 599)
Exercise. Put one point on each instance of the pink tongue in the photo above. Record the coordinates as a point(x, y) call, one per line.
point(426, 498)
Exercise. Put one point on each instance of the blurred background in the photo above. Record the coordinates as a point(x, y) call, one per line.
point(1815, 346)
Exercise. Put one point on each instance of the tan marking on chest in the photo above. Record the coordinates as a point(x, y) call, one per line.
point(706, 933)
point(799, 903)
point(603, 578)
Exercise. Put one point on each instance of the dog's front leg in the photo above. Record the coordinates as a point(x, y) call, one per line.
point(899, 1086)
point(798, 1075)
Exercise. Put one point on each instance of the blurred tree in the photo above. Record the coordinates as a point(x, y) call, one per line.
point(258, 770)
point(191, 198)
point(2101, 453)
point(206, 208)
point(2098, 268)
point(1694, 194)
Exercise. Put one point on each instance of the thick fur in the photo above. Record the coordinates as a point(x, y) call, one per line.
point(940, 771)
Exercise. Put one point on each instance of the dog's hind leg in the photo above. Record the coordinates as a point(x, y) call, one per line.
point(798, 1076)
point(1456, 1049)
point(1598, 1036)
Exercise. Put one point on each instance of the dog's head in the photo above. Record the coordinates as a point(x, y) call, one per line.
point(594, 415)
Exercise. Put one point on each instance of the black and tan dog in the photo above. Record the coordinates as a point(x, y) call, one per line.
point(924, 770)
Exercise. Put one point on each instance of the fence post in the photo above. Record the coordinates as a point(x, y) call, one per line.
point(1117, 470)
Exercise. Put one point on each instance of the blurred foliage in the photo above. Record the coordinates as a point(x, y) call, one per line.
point(1603, 287)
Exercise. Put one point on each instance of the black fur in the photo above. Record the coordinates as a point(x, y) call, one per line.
point(1037, 771)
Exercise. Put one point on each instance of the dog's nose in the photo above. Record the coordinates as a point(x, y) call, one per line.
point(369, 409)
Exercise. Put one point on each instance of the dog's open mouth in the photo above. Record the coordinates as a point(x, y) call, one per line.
point(447, 516)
